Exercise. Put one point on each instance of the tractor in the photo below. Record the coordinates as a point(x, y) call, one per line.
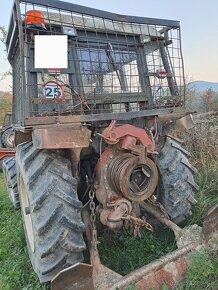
point(95, 133)
point(6, 132)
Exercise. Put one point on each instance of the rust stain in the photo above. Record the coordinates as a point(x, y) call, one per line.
point(169, 275)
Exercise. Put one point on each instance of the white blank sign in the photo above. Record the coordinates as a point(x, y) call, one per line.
point(51, 51)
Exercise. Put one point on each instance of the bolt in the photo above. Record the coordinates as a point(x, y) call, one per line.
point(27, 210)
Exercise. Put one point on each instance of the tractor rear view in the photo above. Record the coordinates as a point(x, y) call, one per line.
point(95, 135)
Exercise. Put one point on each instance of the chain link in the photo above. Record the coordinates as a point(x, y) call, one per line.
point(131, 221)
point(93, 217)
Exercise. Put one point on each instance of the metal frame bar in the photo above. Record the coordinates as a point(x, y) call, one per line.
point(103, 14)
point(122, 116)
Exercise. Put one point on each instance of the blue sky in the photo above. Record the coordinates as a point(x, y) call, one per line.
point(199, 22)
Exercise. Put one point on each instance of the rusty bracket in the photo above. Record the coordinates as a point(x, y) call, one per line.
point(113, 134)
point(61, 136)
point(78, 276)
point(159, 215)
point(102, 276)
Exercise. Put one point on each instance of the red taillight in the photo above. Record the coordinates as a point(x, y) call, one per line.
point(35, 19)
point(161, 74)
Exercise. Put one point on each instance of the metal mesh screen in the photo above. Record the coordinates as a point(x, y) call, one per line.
point(17, 110)
point(113, 66)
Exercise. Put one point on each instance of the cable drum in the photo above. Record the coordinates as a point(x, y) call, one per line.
point(129, 177)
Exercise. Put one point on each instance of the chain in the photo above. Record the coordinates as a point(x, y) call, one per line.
point(135, 223)
point(93, 217)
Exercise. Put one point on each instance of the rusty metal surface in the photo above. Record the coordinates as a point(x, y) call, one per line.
point(103, 193)
point(50, 101)
point(112, 215)
point(112, 135)
point(168, 118)
point(120, 173)
point(76, 277)
point(160, 215)
point(75, 159)
point(185, 123)
point(173, 126)
point(168, 275)
point(138, 181)
point(56, 137)
point(102, 276)
point(6, 152)
point(32, 121)
point(21, 137)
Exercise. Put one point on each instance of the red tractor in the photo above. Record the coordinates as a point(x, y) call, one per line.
point(94, 133)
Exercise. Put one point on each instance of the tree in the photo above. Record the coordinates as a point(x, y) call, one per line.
point(5, 97)
point(5, 104)
point(208, 100)
point(3, 32)
point(3, 35)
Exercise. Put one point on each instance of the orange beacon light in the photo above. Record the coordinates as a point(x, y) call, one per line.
point(35, 19)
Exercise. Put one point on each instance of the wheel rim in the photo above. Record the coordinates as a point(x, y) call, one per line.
point(10, 140)
point(26, 216)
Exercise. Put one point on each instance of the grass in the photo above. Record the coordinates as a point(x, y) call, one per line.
point(123, 253)
point(202, 272)
point(16, 272)
point(202, 142)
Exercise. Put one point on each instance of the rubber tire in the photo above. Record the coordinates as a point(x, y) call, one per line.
point(54, 209)
point(10, 177)
point(177, 185)
point(4, 137)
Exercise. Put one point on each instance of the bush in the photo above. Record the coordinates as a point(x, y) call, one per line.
point(202, 142)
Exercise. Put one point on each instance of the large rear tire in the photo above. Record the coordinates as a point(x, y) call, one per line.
point(177, 185)
point(10, 178)
point(51, 210)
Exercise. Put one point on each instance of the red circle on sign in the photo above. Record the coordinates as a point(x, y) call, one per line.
point(52, 91)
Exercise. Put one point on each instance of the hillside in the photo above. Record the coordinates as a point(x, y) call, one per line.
point(201, 86)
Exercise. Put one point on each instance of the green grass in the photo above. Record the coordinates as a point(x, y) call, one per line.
point(123, 253)
point(16, 272)
point(202, 272)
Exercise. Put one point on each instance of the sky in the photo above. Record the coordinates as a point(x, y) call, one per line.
point(199, 24)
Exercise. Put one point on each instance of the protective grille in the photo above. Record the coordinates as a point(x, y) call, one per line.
point(113, 66)
point(17, 90)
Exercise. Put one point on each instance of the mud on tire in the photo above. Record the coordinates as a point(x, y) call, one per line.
point(10, 177)
point(50, 209)
point(177, 185)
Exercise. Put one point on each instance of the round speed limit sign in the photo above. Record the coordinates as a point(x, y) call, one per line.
point(53, 90)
